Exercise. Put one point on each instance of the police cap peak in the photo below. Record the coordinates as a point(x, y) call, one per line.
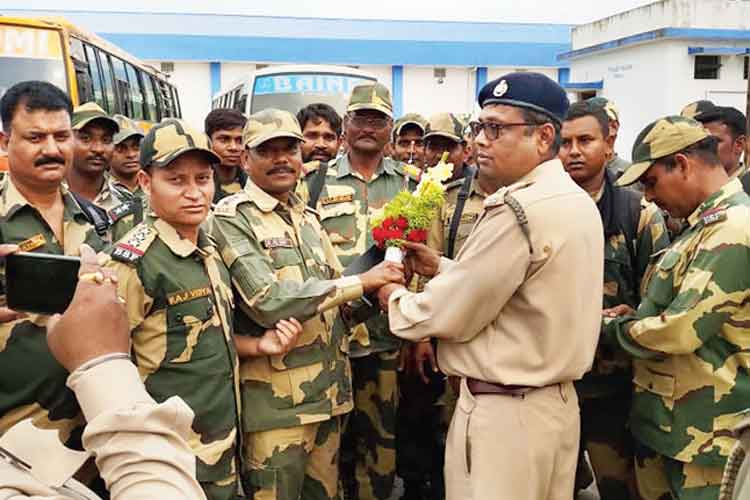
point(528, 90)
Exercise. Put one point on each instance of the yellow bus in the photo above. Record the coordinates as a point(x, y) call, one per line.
point(86, 66)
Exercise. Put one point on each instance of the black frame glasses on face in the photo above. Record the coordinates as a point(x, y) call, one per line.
point(493, 130)
point(376, 122)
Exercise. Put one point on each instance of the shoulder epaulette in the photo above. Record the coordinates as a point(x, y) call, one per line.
point(227, 207)
point(120, 211)
point(134, 244)
point(498, 198)
point(713, 216)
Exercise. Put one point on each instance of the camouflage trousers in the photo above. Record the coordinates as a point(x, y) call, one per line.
point(368, 446)
point(226, 489)
point(293, 463)
point(606, 437)
point(420, 432)
point(663, 478)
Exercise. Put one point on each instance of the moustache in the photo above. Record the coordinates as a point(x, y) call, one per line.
point(49, 160)
point(283, 169)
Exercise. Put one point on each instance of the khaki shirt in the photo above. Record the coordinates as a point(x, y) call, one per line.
point(509, 315)
point(150, 460)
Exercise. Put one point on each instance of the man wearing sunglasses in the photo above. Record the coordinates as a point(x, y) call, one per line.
point(517, 313)
point(346, 195)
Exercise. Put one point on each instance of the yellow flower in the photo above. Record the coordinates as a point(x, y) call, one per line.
point(441, 172)
point(412, 170)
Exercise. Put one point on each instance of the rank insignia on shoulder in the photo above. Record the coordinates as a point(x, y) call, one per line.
point(713, 216)
point(330, 200)
point(36, 241)
point(120, 211)
point(270, 243)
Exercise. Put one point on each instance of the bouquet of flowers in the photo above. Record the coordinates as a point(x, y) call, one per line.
point(408, 216)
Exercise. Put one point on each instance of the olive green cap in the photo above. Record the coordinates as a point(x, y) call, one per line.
point(375, 96)
point(701, 110)
point(607, 105)
point(409, 119)
point(170, 139)
point(89, 112)
point(128, 129)
point(662, 138)
point(270, 124)
point(445, 125)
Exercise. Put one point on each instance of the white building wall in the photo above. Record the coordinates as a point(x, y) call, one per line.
point(425, 95)
point(382, 73)
point(193, 82)
point(716, 14)
point(233, 72)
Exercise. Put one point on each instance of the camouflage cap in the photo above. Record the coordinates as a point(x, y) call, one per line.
point(375, 96)
point(270, 124)
point(409, 119)
point(445, 125)
point(128, 129)
point(700, 110)
point(89, 112)
point(662, 138)
point(171, 138)
point(607, 105)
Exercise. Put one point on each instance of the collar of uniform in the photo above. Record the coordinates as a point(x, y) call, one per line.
point(105, 191)
point(262, 200)
point(730, 188)
point(345, 167)
point(13, 198)
point(177, 244)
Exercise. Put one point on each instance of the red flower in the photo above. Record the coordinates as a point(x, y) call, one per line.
point(417, 235)
point(402, 223)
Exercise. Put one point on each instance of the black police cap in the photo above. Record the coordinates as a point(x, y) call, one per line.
point(528, 90)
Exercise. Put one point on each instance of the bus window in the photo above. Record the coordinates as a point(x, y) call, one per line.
point(241, 105)
point(236, 98)
point(165, 98)
point(136, 95)
point(109, 83)
point(176, 99)
point(122, 86)
point(95, 75)
point(151, 103)
point(29, 53)
point(81, 67)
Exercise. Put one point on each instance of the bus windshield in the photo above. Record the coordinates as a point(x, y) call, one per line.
point(30, 54)
point(294, 91)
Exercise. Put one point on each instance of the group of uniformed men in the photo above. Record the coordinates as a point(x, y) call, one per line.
point(229, 249)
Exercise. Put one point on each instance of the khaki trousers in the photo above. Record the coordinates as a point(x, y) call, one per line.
point(515, 448)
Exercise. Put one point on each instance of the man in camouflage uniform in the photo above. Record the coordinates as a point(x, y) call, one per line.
point(689, 335)
point(179, 300)
point(353, 190)
point(407, 139)
point(88, 176)
point(224, 129)
point(39, 215)
point(283, 265)
point(633, 231)
point(124, 167)
point(321, 131)
point(616, 165)
point(422, 424)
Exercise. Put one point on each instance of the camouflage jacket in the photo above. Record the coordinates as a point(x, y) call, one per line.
point(440, 230)
point(32, 383)
point(624, 267)
point(689, 336)
point(346, 205)
point(283, 265)
point(179, 302)
point(122, 192)
point(109, 195)
point(223, 190)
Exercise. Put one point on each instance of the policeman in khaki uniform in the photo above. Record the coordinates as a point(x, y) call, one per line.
point(633, 231)
point(689, 336)
point(39, 214)
point(354, 188)
point(526, 322)
point(283, 265)
point(179, 300)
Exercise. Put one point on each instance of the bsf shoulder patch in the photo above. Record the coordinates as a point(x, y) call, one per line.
point(270, 243)
point(36, 241)
point(134, 244)
point(342, 198)
point(187, 295)
point(713, 216)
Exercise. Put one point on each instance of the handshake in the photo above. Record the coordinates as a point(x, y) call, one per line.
point(388, 276)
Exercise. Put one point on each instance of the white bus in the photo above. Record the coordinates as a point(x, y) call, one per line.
point(291, 88)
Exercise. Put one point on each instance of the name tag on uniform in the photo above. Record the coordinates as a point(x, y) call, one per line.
point(187, 295)
point(36, 241)
point(270, 243)
point(330, 200)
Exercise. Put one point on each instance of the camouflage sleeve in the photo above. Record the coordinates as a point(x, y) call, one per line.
point(653, 236)
point(130, 288)
point(711, 294)
point(266, 298)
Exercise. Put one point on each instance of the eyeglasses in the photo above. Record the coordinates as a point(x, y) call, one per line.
point(360, 121)
point(493, 130)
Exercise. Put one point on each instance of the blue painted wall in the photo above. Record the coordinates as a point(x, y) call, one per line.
point(397, 90)
point(215, 77)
